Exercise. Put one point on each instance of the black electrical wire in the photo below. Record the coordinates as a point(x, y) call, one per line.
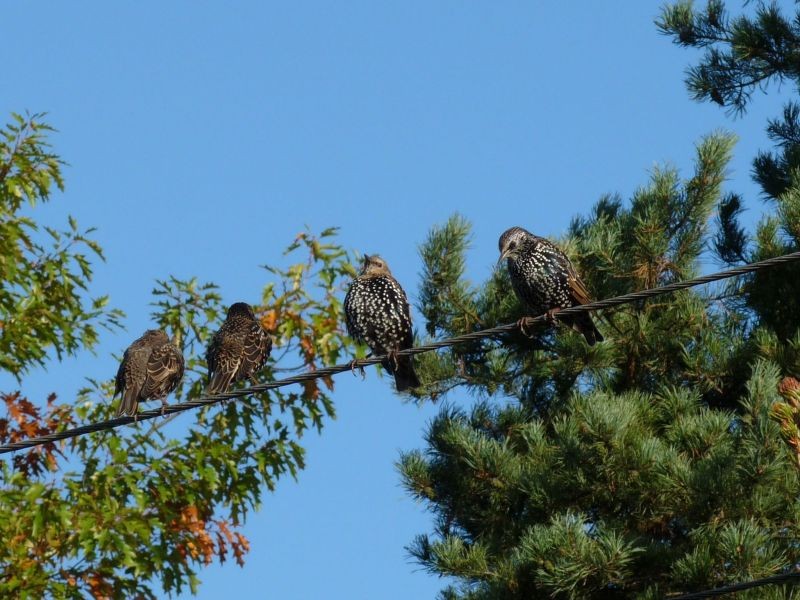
point(460, 339)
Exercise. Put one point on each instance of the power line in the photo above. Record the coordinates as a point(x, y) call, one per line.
point(460, 339)
point(793, 578)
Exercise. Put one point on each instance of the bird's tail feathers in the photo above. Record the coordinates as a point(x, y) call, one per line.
point(405, 377)
point(586, 326)
point(129, 403)
point(219, 383)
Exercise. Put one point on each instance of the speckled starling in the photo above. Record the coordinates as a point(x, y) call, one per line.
point(545, 280)
point(151, 368)
point(238, 350)
point(377, 314)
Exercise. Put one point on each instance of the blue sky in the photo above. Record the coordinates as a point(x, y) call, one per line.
point(212, 133)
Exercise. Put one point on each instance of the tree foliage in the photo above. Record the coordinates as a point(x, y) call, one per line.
point(44, 272)
point(654, 463)
point(664, 460)
point(742, 54)
point(126, 512)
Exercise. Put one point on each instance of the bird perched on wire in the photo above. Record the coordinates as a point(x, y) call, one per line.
point(238, 350)
point(151, 368)
point(545, 280)
point(377, 314)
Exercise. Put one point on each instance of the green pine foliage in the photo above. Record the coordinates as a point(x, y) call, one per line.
point(647, 465)
point(743, 54)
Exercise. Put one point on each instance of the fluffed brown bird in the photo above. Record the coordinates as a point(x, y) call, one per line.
point(151, 368)
point(238, 350)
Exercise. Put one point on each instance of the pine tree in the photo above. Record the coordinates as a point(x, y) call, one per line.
point(650, 464)
point(664, 460)
point(743, 54)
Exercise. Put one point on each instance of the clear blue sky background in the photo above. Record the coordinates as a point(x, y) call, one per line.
point(203, 136)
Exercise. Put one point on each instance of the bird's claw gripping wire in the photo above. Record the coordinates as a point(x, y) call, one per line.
point(353, 365)
point(392, 355)
point(550, 316)
point(523, 329)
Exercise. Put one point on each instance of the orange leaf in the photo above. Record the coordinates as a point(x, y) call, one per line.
point(223, 527)
point(307, 345)
point(269, 320)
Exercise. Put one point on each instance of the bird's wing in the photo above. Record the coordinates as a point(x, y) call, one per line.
point(222, 363)
point(408, 337)
point(213, 353)
point(164, 371)
point(352, 330)
point(131, 378)
point(576, 286)
point(220, 379)
point(257, 345)
point(120, 379)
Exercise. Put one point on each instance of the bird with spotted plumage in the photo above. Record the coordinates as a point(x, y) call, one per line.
point(238, 350)
point(544, 279)
point(377, 314)
point(151, 368)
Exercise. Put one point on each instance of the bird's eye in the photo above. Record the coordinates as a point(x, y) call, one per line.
point(512, 245)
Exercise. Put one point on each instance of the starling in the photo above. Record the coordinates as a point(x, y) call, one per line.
point(151, 368)
point(238, 350)
point(377, 313)
point(545, 280)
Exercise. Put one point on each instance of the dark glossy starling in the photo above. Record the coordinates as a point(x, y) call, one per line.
point(377, 314)
point(545, 280)
point(151, 368)
point(238, 350)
